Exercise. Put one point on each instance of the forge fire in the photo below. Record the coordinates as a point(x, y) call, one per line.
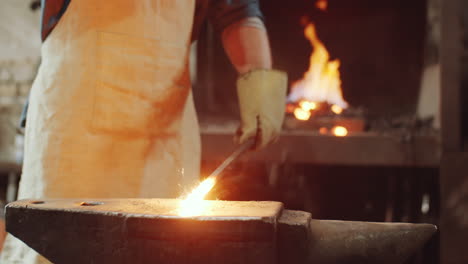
point(321, 82)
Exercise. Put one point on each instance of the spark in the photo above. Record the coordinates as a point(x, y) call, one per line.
point(193, 204)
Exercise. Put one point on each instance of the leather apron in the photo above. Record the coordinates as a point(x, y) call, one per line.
point(111, 113)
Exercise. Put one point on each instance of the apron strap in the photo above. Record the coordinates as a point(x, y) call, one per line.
point(52, 11)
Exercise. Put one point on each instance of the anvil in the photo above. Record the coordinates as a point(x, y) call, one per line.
point(151, 231)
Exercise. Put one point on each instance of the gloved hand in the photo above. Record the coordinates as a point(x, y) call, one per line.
point(262, 102)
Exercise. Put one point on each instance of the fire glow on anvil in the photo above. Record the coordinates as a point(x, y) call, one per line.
point(192, 204)
point(151, 231)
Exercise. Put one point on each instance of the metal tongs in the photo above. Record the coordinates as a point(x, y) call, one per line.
point(241, 149)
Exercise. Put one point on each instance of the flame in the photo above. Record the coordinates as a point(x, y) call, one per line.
point(193, 204)
point(322, 82)
point(340, 131)
point(322, 5)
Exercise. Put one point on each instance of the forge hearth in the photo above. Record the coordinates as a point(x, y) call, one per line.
point(324, 120)
point(305, 146)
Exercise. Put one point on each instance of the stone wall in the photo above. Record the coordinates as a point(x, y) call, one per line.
point(15, 82)
point(19, 59)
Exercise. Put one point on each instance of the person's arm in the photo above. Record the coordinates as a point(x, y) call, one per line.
point(261, 90)
point(246, 44)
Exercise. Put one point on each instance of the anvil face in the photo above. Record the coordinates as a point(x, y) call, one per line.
point(160, 208)
point(145, 231)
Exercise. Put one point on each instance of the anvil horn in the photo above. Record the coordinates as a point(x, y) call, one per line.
point(365, 243)
point(347, 242)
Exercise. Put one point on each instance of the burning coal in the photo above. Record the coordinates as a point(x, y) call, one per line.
point(322, 5)
point(340, 131)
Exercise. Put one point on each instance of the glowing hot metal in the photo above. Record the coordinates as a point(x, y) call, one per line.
point(193, 205)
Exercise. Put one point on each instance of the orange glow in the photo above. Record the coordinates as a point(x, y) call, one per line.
point(336, 109)
point(301, 114)
point(322, 5)
point(340, 131)
point(323, 130)
point(322, 81)
point(290, 108)
point(193, 204)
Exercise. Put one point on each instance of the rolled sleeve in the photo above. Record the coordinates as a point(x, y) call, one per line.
point(222, 13)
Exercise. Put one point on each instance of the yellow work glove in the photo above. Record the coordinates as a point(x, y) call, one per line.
point(262, 102)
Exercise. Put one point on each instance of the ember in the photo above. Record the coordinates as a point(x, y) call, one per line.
point(323, 130)
point(308, 106)
point(340, 131)
point(336, 109)
point(302, 114)
point(322, 5)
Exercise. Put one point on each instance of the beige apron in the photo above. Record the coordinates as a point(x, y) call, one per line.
point(111, 114)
